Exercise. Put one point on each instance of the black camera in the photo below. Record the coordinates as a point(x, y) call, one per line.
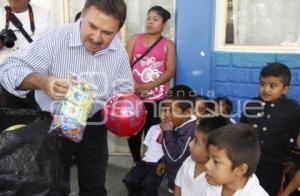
point(8, 37)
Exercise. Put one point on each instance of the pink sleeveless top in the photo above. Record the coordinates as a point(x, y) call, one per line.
point(151, 66)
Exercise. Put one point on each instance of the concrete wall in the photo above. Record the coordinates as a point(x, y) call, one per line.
point(236, 75)
point(214, 73)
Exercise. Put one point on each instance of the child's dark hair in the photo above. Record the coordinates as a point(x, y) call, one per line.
point(208, 124)
point(227, 102)
point(165, 14)
point(183, 95)
point(240, 143)
point(277, 70)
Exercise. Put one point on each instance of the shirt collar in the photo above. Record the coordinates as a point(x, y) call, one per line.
point(75, 39)
point(193, 118)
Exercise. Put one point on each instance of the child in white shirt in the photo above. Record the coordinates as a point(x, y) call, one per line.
point(233, 153)
point(190, 179)
point(142, 179)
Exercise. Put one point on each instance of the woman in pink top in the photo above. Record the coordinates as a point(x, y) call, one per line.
point(152, 74)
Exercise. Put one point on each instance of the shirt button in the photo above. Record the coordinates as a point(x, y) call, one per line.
point(272, 105)
point(265, 129)
point(262, 141)
point(263, 103)
point(255, 126)
point(259, 114)
point(291, 140)
point(268, 116)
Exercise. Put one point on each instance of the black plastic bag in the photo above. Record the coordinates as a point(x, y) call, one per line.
point(29, 162)
point(11, 116)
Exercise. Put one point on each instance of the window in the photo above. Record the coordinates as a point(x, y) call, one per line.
point(262, 24)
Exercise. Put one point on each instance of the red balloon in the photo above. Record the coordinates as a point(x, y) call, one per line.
point(124, 114)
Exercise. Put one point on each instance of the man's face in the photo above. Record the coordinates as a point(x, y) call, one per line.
point(97, 29)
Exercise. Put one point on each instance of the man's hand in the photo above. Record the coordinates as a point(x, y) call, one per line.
point(56, 88)
point(161, 168)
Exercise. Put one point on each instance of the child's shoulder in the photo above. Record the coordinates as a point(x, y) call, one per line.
point(189, 126)
point(291, 102)
point(155, 128)
point(253, 188)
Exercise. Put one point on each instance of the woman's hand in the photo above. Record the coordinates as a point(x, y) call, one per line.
point(141, 90)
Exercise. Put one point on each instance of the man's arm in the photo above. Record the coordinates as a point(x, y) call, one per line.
point(35, 58)
point(124, 81)
point(55, 88)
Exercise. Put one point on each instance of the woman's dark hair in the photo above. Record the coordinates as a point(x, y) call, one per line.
point(114, 8)
point(165, 14)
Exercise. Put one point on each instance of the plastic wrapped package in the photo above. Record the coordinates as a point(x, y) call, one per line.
point(70, 119)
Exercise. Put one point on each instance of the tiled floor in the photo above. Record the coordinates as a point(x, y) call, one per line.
point(117, 168)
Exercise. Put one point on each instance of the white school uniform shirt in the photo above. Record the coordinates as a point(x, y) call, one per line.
point(189, 185)
point(154, 151)
point(252, 188)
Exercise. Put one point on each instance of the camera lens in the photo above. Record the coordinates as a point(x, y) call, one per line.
point(9, 42)
point(8, 38)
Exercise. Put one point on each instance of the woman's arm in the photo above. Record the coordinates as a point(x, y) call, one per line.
point(129, 47)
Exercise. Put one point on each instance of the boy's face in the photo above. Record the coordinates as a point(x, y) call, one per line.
point(219, 167)
point(221, 108)
point(200, 109)
point(177, 116)
point(198, 147)
point(271, 88)
point(163, 112)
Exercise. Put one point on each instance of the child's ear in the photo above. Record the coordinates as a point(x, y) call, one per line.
point(241, 170)
point(285, 89)
point(189, 111)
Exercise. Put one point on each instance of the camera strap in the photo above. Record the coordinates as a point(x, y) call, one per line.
point(11, 17)
point(147, 51)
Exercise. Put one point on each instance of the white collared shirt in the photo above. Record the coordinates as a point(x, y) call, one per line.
point(189, 185)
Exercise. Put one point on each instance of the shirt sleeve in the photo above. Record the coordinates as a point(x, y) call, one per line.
point(179, 176)
point(34, 58)
point(124, 80)
point(174, 147)
point(149, 136)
